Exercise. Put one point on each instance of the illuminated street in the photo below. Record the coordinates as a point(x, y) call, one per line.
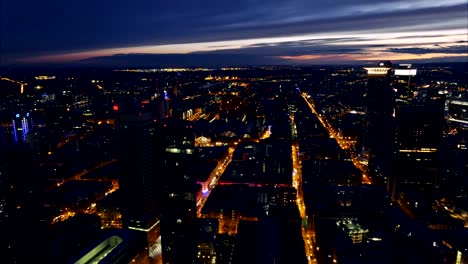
point(78, 177)
point(344, 145)
point(213, 179)
point(308, 231)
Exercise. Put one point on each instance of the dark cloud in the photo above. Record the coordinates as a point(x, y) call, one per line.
point(334, 46)
point(306, 42)
point(382, 21)
point(451, 50)
point(431, 36)
point(295, 48)
point(51, 26)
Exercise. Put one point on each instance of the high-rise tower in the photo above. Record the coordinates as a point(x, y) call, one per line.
point(176, 88)
point(177, 144)
point(156, 89)
point(418, 135)
point(419, 126)
point(138, 180)
point(404, 81)
point(379, 137)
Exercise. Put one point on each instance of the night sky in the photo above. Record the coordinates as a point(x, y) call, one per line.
point(184, 32)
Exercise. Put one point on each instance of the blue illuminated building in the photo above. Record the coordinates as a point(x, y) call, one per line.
point(22, 125)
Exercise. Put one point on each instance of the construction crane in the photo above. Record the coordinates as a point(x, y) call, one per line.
point(14, 81)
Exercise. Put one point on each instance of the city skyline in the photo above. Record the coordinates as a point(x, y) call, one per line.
point(184, 33)
point(298, 165)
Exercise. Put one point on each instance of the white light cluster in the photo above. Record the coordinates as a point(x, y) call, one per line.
point(405, 72)
point(377, 70)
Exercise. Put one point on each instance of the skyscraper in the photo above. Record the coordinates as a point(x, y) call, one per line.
point(379, 137)
point(419, 126)
point(176, 143)
point(138, 180)
point(404, 81)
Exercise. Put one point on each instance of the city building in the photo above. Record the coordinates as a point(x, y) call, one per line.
point(176, 144)
point(114, 246)
point(206, 240)
point(457, 109)
point(352, 229)
point(419, 132)
point(379, 137)
point(162, 106)
point(138, 176)
point(138, 179)
point(109, 210)
point(272, 240)
point(22, 125)
point(404, 83)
